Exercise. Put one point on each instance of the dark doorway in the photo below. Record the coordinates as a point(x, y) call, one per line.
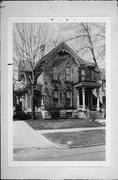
point(88, 98)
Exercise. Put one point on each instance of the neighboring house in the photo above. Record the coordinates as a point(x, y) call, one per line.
point(69, 83)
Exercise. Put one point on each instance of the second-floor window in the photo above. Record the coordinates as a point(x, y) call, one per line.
point(83, 74)
point(28, 102)
point(68, 74)
point(55, 73)
point(89, 75)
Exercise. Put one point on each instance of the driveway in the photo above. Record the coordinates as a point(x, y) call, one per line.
point(24, 136)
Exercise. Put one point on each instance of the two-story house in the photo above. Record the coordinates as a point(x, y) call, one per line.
point(70, 83)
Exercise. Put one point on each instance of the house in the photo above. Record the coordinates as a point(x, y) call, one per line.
point(69, 83)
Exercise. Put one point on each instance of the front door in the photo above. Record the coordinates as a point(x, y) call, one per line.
point(88, 98)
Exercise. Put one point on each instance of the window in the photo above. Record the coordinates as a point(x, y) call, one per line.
point(28, 102)
point(55, 93)
point(89, 74)
point(68, 74)
point(68, 98)
point(83, 74)
point(55, 73)
point(55, 97)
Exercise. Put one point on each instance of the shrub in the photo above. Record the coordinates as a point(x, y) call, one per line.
point(21, 115)
point(54, 112)
point(68, 114)
point(92, 115)
point(18, 107)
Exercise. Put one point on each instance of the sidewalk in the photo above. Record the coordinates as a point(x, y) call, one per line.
point(24, 136)
point(69, 130)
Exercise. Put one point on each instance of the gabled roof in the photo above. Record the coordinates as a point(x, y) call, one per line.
point(66, 48)
point(61, 46)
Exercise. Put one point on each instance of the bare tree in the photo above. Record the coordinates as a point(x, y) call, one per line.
point(88, 40)
point(94, 40)
point(30, 40)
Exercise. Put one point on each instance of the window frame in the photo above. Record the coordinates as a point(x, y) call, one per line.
point(55, 99)
point(68, 98)
point(83, 76)
point(68, 74)
point(55, 73)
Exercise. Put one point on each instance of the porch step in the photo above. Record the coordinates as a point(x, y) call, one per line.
point(39, 115)
point(79, 114)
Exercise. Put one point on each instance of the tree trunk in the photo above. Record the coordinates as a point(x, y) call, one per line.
point(32, 103)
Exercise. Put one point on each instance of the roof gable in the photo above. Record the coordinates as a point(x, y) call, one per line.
point(60, 47)
point(64, 47)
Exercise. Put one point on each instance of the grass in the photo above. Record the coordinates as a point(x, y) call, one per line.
point(62, 124)
point(78, 139)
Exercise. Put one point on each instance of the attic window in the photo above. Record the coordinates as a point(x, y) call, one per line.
point(62, 53)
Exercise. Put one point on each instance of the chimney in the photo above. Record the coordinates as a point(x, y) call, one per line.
point(42, 48)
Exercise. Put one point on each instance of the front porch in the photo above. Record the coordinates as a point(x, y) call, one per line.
point(88, 96)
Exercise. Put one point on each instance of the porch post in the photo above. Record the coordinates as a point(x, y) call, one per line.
point(77, 99)
point(98, 100)
point(26, 102)
point(23, 102)
point(18, 100)
point(71, 103)
point(83, 98)
point(30, 105)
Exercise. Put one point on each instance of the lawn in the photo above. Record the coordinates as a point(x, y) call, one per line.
point(62, 124)
point(78, 139)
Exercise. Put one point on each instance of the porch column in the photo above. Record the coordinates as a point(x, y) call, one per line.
point(83, 98)
point(71, 103)
point(17, 100)
point(26, 102)
point(30, 103)
point(77, 99)
point(98, 100)
point(23, 102)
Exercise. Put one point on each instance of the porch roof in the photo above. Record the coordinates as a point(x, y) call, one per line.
point(88, 84)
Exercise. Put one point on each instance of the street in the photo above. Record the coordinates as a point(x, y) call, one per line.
point(95, 153)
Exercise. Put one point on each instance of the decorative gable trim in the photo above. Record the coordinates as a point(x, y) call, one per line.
point(61, 47)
